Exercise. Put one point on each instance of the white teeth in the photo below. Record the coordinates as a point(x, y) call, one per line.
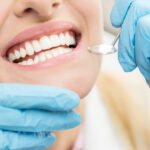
point(48, 54)
point(72, 40)
point(36, 59)
point(62, 39)
point(67, 50)
point(54, 40)
point(55, 53)
point(60, 49)
point(69, 39)
point(11, 57)
point(29, 62)
point(45, 43)
point(29, 48)
point(22, 52)
point(17, 54)
point(42, 57)
point(24, 62)
point(36, 46)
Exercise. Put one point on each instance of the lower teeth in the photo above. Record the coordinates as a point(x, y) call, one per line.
point(43, 56)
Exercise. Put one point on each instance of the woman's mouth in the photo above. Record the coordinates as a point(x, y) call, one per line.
point(47, 47)
point(43, 47)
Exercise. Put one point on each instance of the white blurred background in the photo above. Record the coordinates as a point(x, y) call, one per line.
point(107, 6)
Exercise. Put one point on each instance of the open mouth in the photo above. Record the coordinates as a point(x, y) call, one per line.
point(41, 49)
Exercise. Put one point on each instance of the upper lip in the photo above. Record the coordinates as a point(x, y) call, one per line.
point(29, 34)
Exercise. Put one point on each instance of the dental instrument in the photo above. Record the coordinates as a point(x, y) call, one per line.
point(105, 49)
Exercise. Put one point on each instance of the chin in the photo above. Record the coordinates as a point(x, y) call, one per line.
point(79, 83)
point(81, 88)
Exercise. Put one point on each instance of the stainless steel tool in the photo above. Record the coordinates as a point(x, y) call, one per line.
point(105, 49)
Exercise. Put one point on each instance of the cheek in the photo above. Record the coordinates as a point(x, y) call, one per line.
point(5, 8)
point(87, 77)
point(91, 12)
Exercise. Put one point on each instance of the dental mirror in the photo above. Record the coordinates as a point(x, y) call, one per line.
point(105, 49)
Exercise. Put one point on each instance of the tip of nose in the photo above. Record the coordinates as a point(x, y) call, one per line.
point(43, 9)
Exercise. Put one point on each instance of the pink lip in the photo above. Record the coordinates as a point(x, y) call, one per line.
point(35, 32)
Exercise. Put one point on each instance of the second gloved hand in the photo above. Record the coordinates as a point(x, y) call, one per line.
point(29, 112)
point(134, 45)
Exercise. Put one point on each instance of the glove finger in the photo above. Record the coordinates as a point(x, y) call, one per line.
point(25, 141)
point(37, 121)
point(142, 46)
point(119, 12)
point(23, 96)
point(126, 46)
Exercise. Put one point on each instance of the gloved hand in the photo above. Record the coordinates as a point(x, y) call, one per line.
point(29, 112)
point(134, 45)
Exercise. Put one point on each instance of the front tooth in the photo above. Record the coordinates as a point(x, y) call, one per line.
point(17, 54)
point(36, 59)
point(48, 54)
point(29, 48)
point(45, 43)
point(24, 63)
point(65, 50)
point(22, 52)
point(54, 40)
point(68, 50)
point(36, 46)
point(55, 52)
point(61, 50)
point(62, 39)
point(11, 57)
point(42, 57)
point(29, 62)
point(72, 40)
point(69, 39)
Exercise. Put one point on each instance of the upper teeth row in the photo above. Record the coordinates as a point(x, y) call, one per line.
point(45, 42)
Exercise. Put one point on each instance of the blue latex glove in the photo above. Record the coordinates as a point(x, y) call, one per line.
point(28, 113)
point(134, 44)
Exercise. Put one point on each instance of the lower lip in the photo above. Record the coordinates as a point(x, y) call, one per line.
point(53, 61)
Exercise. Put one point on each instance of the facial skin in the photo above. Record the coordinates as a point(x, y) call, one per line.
point(77, 74)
